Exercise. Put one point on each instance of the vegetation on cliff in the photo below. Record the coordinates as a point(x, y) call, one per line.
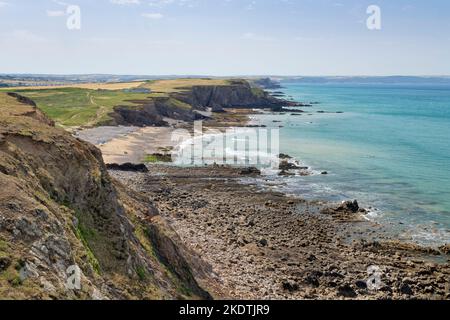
point(60, 208)
point(146, 103)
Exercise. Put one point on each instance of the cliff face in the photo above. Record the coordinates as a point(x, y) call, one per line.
point(153, 113)
point(239, 94)
point(267, 83)
point(183, 105)
point(60, 208)
point(146, 114)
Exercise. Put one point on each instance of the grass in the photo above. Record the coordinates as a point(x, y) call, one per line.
point(142, 274)
point(9, 105)
point(176, 85)
point(73, 107)
point(85, 235)
point(12, 277)
point(11, 272)
point(156, 157)
point(3, 245)
point(258, 92)
point(179, 104)
point(91, 105)
point(80, 107)
point(16, 281)
point(90, 85)
point(3, 252)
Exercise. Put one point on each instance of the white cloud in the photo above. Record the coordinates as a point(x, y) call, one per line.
point(181, 3)
point(153, 16)
point(3, 4)
point(125, 2)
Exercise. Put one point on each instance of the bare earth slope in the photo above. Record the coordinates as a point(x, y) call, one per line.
point(60, 208)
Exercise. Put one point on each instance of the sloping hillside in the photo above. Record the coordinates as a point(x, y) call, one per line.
point(148, 103)
point(60, 208)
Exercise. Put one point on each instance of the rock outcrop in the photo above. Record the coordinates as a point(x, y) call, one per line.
point(152, 112)
point(238, 94)
point(267, 83)
point(130, 167)
point(61, 215)
point(184, 105)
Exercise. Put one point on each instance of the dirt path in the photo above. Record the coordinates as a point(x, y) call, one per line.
point(102, 110)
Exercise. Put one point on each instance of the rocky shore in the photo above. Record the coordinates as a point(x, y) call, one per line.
point(166, 232)
point(265, 245)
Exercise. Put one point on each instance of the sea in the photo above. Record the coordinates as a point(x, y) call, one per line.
point(386, 145)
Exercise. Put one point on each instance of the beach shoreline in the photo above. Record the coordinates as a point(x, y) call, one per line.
point(263, 244)
point(122, 144)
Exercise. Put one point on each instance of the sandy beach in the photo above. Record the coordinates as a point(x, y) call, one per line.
point(132, 144)
point(119, 145)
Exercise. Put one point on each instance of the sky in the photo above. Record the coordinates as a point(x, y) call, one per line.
point(225, 37)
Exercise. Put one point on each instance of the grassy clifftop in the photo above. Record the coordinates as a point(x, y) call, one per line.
point(80, 106)
point(140, 103)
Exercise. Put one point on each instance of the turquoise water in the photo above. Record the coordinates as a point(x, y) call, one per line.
point(389, 149)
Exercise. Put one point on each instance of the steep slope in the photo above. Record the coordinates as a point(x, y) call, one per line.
point(59, 208)
point(238, 94)
point(152, 112)
point(183, 103)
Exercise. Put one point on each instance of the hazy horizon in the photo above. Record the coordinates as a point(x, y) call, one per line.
point(443, 76)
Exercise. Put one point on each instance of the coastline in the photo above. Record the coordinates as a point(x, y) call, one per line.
point(263, 244)
point(122, 144)
point(282, 248)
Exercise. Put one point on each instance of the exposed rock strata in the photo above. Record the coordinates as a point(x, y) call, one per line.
point(238, 94)
point(59, 208)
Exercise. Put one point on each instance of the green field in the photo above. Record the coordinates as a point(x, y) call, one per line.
point(92, 104)
point(81, 107)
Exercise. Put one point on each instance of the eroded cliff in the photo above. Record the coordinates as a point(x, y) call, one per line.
point(59, 209)
point(183, 104)
point(238, 94)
